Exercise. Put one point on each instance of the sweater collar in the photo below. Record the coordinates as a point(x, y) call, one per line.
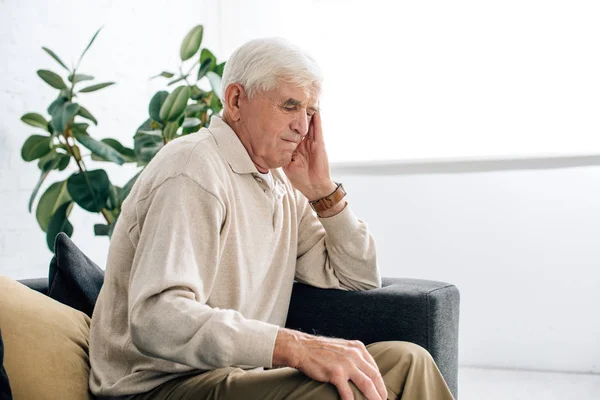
point(231, 146)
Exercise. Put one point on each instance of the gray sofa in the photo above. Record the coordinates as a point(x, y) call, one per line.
point(418, 311)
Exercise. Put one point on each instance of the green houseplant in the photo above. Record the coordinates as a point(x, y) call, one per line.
point(188, 107)
point(171, 115)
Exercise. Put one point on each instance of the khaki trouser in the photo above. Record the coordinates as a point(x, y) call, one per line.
point(407, 369)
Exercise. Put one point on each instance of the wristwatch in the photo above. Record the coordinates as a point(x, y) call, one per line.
point(327, 202)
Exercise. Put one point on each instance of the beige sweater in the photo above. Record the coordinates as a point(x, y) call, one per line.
point(201, 265)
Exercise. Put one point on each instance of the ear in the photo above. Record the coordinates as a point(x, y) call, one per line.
point(233, 94)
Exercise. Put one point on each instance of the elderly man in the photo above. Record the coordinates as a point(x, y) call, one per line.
point(213, 234)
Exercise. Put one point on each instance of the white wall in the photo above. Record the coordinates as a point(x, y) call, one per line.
point(521, 245)
point(462, 78)
point(139, 40)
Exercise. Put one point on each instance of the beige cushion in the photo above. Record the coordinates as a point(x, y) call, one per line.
point(45, 344)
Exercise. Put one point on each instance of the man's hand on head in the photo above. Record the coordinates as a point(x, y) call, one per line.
point(309, 169)
point(336, 361)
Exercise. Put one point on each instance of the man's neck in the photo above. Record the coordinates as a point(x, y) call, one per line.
point(237, 129)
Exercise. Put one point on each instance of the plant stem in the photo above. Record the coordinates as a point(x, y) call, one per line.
point(184, 76)
point(78, 160)
point(104, 212)
point(72, 85)
point(193, 66)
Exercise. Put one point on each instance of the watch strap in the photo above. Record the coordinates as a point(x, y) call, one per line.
point(327, 202)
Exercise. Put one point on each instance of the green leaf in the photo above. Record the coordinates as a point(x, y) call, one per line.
point(146, 125)
point(36, 120)
point(79, 128)
point(35, 146)
point(215, 83)
point(156, 103)
point(191, 43)
point(194, 109)
point(95, 87)
point(208, 62)
point(219, 69)
point(83, 112)
point(115, 144)
point(79, 78)
point(205, 66)
point(88, 46)
point(63, 116)
point(52, 79)
point(49, 162)
point(54, 160)
point(127, 154)
point(113, 198)
point(191, 122)
point(127, 188)
point(46, 161)
point(99, 148)
point(56, 104)
point(63, 161)
point(55, 196)
point(197, 93)
point(215, 104)
point(101, 229)
point(156, 132)
point(164, 74)
point(43, 177)
point(59, 223)
point(170, 130)
point(53, 55)
point(206, 54)
point(146, 146)
point(175, 103)
point(89, 189)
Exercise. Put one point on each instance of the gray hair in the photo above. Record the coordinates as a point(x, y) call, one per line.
point(260, 64)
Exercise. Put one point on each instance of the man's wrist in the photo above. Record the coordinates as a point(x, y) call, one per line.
point(335, 210)
point(287, 346)
point(320, 191)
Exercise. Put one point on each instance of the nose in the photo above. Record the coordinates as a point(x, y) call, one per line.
point(300, 124)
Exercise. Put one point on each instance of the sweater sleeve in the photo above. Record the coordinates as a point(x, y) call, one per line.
point(177, 241)
point(336, 252)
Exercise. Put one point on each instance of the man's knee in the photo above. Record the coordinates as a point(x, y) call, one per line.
point(394, 352)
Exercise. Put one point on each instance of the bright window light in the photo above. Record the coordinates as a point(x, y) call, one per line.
point(412, 80)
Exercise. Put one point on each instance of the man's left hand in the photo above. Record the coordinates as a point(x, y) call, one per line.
point(309, 169)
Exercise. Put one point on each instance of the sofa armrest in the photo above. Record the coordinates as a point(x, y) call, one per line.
point(37, 284)
point(413, 310)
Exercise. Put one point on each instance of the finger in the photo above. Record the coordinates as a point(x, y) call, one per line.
point(344, 389)
point(365, 385)
point(317, 127)
point(374, 372)
point(375, 376)
point(302, 147)
point(365, 353)
point(311, 131)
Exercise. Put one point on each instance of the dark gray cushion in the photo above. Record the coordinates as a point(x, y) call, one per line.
point(5, 393)
point(73, 279)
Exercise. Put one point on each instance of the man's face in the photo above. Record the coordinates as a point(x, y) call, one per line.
point(274, 122)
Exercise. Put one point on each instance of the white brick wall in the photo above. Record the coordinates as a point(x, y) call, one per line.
point(139, 39)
